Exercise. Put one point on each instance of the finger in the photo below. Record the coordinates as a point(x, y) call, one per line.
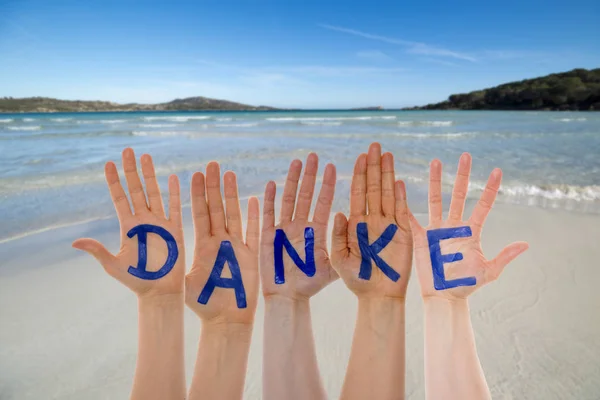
point(134, 184)
point(435, 192)
point(307, 188)
point(98, 251)
point(153, 191)
point(358, 189)
point(199, 207)
point(388, 176)
point(401, 207)
point(253, 227)
point(339, 237)
point(232, 205)
point(215, 201)
point(374, 179)
point(117, 193)
point(486, 201)
point(325, 199)
point(175, 201)
point(461, 185)
point(289, 191)
point(507, 254)
point(269, 206)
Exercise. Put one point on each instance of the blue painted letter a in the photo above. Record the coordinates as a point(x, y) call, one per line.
point(438, 259)
point(225, 254)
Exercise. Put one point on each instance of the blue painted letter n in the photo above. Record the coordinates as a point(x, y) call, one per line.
point(281, 241)
point(438, 259)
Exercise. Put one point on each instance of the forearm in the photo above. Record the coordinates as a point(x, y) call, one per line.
point(452, 368)
point(221, 362)
point(290, 369)
point(160, 371)
point(376, 366)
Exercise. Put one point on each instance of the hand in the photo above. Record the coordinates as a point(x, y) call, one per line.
point(373, 183)
point(160, 276)
point(214, 226)
point(297, 284)
point(456, 278)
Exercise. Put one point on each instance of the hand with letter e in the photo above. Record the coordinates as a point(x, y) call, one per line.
point(151, 262)
point(451, 265)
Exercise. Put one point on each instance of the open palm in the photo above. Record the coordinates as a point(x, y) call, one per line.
point(457, 278)
point(297, 283)
point(146, 211)
point(374, 187)
point(218, 227)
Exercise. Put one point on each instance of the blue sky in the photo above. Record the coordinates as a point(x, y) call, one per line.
point(310, 54)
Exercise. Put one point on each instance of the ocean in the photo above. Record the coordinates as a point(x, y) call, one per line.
point(51, 165)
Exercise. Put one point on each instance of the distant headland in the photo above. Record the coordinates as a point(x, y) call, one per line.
point(576, 90)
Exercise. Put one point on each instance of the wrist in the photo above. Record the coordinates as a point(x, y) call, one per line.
point(443, 306)
point(159, 302)
point(227, 329)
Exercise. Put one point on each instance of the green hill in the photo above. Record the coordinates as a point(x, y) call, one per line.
point(46, 104)
point(578, 89)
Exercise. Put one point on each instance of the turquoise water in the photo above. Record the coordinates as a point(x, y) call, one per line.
point(51, 165)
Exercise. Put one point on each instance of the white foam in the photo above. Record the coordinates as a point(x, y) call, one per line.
point(60, 119)
point(224, 119)
point(112, 121)
point(425, 123)
point(24, 128)
point(157, 125)
point(161, 133)
point(240, 125)
point(177, 118)
point(571, 119)
point(322, 123)
point(301, 119)
point(6, 120)
point(449, 135)
point(554, 192)
point(28, 119)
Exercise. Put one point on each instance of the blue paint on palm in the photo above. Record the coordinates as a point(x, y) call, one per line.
point(438, 259)
point(281, 241)
point(370, 252)
point(226, 254)
point(142, 233)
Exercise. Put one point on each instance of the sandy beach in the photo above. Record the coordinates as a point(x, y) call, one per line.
point(69, 331)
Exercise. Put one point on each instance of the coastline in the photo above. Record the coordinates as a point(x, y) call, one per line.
point(62, 313)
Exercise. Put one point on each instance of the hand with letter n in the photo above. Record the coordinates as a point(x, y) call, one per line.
point(151, 262)
point(294, 265)
point(372, 253)
point(451, 265)
point(222, 286)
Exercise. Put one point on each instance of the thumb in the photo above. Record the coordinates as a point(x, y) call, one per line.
point(96, 249)
point(419, 239)
point(507, 254)
point(339, 237)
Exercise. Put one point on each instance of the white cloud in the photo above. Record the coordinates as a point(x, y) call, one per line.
point(412, 47)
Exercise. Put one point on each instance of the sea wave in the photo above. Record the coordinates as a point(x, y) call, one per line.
point(554, 191)
point(449, 135)
point(322, 123)
point(425, 123)
point(159, 133)
point(25, 128)
point(240, 125)
point(28, 119)
point(581, 119)
point(303, 119)
point(177, 118)
point(111, 121)
point(157, 125)
point(60, 119)
point(224, 119)
point(6, 120)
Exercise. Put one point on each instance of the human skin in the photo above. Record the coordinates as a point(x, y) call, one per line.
point(377, 360)
point(159, 372)
point(452, 367)
point(290, 369)
point(224, 343)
